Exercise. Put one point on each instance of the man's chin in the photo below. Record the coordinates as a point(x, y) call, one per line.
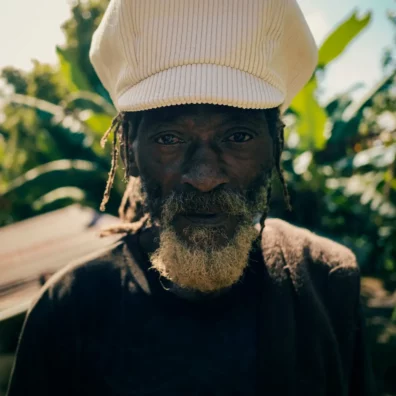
point(198, 263)
point(204, 238)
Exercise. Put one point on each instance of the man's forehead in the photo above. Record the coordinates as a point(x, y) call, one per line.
point(179, 113)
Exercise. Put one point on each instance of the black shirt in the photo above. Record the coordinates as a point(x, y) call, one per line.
point(108, 326)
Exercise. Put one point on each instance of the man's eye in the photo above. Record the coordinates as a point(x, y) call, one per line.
point(168, 139)
point(240, 137)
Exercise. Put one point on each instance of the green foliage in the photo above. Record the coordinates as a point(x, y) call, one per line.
point(311, 118)
point(86, 16)
point(340, 160)
point(15, 78)
point(49, 140)
point(74, 76)
point(341, 37)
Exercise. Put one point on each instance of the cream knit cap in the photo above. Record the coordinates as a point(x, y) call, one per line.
point(243, 53)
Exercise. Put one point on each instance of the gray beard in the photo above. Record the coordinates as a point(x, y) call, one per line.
point(201, 265)
point(206, 271)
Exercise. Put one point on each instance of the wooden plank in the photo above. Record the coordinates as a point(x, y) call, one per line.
point(32, 249)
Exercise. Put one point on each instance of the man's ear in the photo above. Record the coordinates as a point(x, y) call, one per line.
point(133, 169)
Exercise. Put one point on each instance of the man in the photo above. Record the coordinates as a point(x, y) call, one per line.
point(196, 299)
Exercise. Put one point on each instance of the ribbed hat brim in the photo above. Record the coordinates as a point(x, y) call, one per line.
point(200, 84)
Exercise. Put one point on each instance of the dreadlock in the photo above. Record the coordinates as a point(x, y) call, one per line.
point(131, 210)
point(276, 129)
point(114, 127)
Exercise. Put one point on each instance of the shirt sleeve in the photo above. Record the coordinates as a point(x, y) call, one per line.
point(349, 323)
point(362, 381)
point(44, 353)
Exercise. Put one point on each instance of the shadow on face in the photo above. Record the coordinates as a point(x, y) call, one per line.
point(198, 151)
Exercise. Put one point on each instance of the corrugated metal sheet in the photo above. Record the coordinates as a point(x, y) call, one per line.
point(35, 248)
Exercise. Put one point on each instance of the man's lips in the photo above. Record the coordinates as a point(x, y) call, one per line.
point(209, 219)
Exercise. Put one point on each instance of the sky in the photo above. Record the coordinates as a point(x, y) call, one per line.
point(31, 30)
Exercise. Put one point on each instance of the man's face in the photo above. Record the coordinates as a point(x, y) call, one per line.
point(205, 170)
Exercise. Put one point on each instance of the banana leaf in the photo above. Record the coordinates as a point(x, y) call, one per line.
point(311, 118)
point(89, 101)
point(75, 78)
point(337, 41)
point(71, 135)
point(48, 177)
point(349, 127)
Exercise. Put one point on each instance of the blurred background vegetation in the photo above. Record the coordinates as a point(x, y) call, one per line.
point(339, 158)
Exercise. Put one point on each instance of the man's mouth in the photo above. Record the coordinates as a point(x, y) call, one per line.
point(207, 219)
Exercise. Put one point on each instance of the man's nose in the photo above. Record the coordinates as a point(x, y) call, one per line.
point(204, 172)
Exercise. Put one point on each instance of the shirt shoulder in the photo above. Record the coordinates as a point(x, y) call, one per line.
point(322, 273)
point(92, 269)
point(316, 266)
point(299, 246)
point(84, 285)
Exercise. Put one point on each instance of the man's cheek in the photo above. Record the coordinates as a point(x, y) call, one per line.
point(163, 180)
point(151, 192)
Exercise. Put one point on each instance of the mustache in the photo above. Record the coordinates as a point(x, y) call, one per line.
point(218, 201)
point(244, 202)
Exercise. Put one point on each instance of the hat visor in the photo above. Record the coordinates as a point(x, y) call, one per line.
point(199, 84)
